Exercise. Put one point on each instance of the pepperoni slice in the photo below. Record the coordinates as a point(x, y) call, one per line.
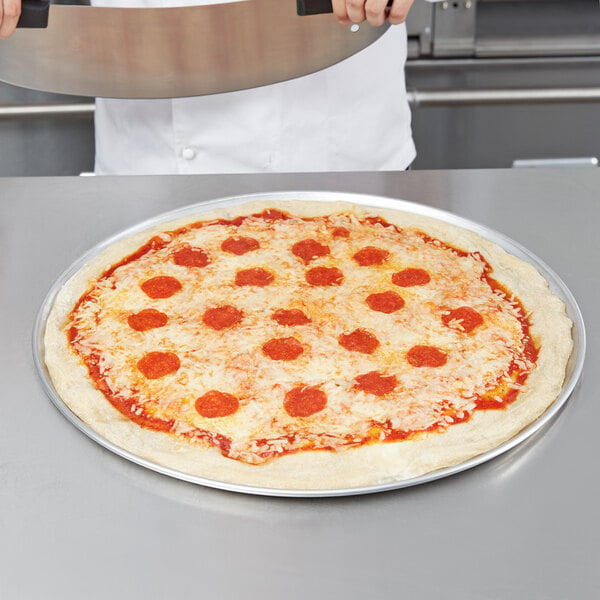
point(146, 319)
point(239, 245)
point(158, 364)
point(222, 317)
point(370, 256)
point(308, 250)
point(272, 214)
point(162, 286)
point(216, 404)
point(426, 356)
point(464, 318)
point(304, 401)
point(255, 276)
point(288, 348)
point(73, 334)
point(290, 317)
point(340, 232)
point(376, 383)
point(191, 257)
point(324, 276)
point(385, 302)
point(411, 277)
point(360, 340)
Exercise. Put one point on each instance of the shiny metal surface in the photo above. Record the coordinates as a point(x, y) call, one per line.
point(195, 211)
point(416, 98)
point(79, 521)
point(33, 146)
point(584, 161)
point(513, 95)
point(500, 28)
point(505, 96)
point(454, 28)
point(176, 52)
point(500, 110)
point(45, 111)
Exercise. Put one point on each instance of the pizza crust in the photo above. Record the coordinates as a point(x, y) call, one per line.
point(363, 466)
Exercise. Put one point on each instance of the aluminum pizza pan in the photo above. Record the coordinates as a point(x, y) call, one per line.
point(573, 371)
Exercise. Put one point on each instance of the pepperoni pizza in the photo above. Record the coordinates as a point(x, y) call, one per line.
point(307, 345)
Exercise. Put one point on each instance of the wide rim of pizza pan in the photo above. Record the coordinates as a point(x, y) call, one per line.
point(574, 366)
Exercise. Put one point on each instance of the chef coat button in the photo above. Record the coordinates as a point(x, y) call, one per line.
point(188, 153)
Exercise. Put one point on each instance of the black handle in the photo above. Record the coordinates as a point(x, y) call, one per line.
point(313, 7)
point(317, 7)
point(34, 14)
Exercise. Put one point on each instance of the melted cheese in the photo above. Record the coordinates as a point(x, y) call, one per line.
point(231, 360)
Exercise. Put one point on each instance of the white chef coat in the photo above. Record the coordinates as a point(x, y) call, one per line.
point(351, 116)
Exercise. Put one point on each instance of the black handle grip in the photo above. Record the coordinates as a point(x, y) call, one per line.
point(34, 14)
point(313, 7)
point(317, 7)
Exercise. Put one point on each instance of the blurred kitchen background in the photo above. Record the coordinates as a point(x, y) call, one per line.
point(492, 83)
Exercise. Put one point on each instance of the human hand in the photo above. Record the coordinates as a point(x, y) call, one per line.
point(373, 11)
point(10, 11)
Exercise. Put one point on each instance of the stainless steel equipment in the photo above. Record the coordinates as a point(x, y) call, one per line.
point(574, 367)
point(504, 28)
point(495, 81)
point(78, 520)
point(176, 51)
point(522, 85)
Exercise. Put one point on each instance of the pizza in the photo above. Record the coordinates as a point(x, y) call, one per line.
point(306, 345)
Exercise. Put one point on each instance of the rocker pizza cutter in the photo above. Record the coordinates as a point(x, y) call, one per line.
point(175, 51)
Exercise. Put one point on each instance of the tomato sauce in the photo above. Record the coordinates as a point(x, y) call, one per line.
point(304, 401)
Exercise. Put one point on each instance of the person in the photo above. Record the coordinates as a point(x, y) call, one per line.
point(10, 11)
point(352, 116)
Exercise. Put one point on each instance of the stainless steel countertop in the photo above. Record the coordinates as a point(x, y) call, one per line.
point(77, 521)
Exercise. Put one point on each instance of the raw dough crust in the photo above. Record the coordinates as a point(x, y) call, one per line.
point(364, 466)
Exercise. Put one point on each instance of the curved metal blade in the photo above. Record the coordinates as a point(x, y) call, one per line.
point(175, 52)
